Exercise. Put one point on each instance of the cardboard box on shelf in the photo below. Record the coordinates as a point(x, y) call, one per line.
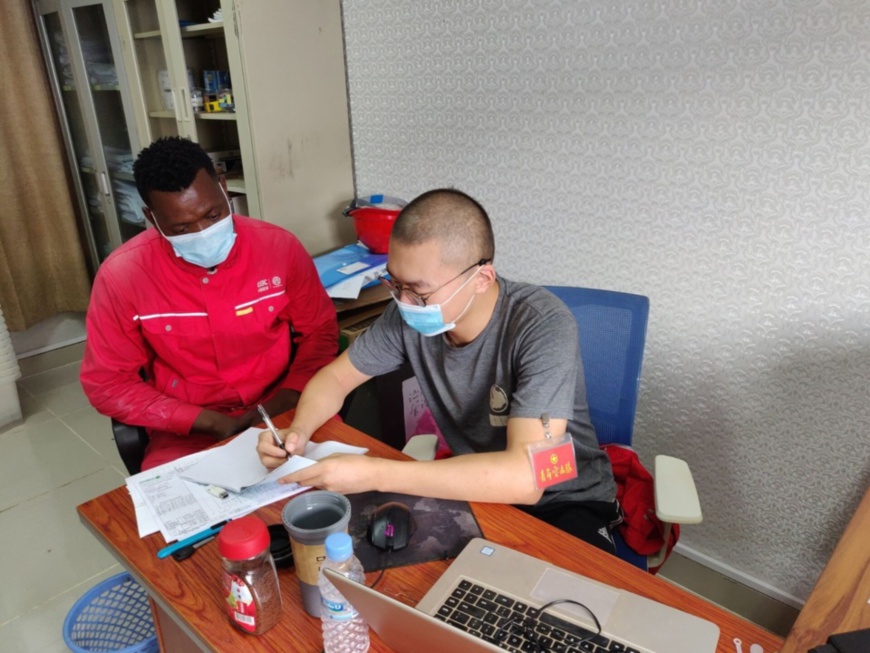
point(352, 324)
point(377, 294)
point(225, 160)
point(214, 80)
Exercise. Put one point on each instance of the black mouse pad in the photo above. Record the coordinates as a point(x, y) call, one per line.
point(442, 529)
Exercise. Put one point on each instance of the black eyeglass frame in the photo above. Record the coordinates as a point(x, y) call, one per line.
point(421, 300)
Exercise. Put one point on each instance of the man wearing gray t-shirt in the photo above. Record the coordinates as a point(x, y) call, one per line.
point(499, 366)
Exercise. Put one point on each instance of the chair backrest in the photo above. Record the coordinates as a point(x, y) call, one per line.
point(612, 329)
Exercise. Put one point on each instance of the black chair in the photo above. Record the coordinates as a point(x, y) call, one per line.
point(131, 442)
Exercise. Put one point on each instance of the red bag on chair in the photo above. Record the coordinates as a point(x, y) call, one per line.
point(641, 529)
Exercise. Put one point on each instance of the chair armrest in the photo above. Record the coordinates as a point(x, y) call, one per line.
point(132, 442)
point(675, 494)
point(421, 447)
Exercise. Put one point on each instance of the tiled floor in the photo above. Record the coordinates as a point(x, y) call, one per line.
point(63, 454)
point(60, 456)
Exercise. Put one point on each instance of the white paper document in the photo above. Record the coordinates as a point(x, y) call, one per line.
point(169, 500)
point(351, 287)
point(236, 465)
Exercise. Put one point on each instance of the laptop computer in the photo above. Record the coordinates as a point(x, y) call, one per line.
point(454, 615)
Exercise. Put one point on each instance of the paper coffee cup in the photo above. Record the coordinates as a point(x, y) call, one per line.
point(309, 518)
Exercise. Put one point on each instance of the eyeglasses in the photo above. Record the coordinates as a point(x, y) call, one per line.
point(397, 290)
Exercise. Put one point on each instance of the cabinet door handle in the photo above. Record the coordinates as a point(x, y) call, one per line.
point(103, 182)
point(175, 105)
point(185, 105)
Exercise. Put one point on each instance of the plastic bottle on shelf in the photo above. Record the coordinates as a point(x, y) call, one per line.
point(197, 99)
point(344, 630)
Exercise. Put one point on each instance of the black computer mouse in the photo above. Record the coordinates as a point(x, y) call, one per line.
point(391, 526)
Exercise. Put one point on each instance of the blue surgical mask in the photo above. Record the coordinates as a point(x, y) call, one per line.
point(206, 248)
point(429, 320)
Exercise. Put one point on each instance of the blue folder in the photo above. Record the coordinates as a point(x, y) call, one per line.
point(329, 266)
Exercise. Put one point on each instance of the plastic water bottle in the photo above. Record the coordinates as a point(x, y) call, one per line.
point(344, 630)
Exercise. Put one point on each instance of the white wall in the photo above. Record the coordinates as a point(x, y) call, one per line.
point(711, 154)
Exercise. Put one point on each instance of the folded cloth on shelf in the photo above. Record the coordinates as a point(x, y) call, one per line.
point(102, 73)
point(128, 202)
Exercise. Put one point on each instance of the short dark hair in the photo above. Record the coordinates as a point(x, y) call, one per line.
point(170, 164)
point(453, 219)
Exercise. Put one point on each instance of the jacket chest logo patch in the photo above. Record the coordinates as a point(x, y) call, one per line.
point(264, 285)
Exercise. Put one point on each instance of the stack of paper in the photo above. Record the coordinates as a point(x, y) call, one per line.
point(174, 500)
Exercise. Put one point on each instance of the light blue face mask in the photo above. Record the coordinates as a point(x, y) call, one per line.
point(429, 320)
point(206, 248)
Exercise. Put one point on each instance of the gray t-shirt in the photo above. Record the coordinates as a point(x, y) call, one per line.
point(525, 363)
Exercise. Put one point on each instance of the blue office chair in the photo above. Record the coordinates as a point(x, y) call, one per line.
point(612, 328)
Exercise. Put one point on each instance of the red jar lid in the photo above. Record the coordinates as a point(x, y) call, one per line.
point(243, 538)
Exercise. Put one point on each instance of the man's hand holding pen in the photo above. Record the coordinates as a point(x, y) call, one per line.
point(268, 422)
point(271, 455)
point(274, 447)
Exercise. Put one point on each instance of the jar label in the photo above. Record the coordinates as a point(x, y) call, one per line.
point(241, 608)
point(307, 559)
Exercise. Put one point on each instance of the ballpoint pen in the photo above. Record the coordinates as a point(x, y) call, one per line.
point(268, 422)
point(187, 551)
point(193, 539)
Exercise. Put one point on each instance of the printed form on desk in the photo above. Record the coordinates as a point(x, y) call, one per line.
point(174, 499)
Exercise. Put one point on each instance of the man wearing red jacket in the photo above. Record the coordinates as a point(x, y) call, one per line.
point(218, 312)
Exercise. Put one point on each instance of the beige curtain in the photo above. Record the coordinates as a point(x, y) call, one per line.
point(42, 264)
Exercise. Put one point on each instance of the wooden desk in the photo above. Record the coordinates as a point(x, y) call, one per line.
point(840, 601)
point(189, 592)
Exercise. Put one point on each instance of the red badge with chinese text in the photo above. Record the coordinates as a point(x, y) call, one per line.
point(553, 461)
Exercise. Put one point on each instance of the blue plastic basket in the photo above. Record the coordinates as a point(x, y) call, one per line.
point(112, 616)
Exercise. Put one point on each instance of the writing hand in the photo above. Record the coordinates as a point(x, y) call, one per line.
point(271, 455)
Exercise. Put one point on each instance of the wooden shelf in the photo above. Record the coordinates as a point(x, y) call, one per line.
point(217, 115)
point(152, 34)
point(236, 185)
point(203, 29)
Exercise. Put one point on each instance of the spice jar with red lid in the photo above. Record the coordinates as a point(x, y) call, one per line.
point(253, 598)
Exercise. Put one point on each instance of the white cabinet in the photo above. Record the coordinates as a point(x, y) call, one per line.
point(290, 121)
point(91, 89)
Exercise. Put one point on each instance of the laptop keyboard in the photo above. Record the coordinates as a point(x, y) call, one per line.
point(518, 627)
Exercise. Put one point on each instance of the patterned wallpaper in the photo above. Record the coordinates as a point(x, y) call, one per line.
point(711, 154)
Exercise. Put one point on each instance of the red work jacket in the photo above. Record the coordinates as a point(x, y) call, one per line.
point(221, 340)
